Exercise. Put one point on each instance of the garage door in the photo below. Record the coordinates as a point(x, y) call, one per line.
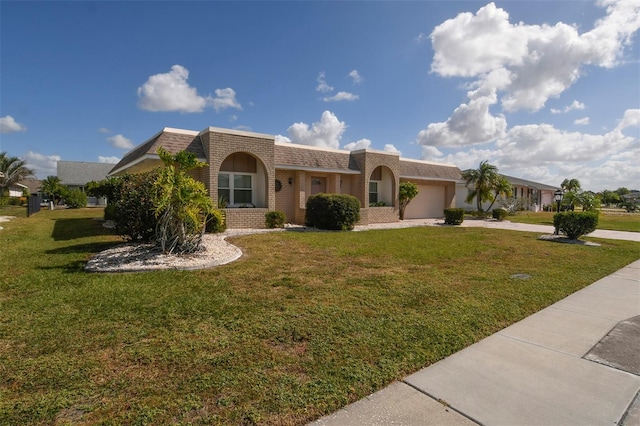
point(429, 203)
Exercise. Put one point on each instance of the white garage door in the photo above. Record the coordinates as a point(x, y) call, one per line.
point(428, 203)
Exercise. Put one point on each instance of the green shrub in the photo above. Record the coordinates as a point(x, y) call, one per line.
point(110, 211)
point(332, 211)
point(575, 224)
point(500, 214)
point(216, 222)
point(453, 216)
point(76, 199)
point(274, 219)
point(14, 201)
point(134, 212)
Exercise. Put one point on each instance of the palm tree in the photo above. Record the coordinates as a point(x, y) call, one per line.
point(12, 170)
point(501, 187)
point(52, 187)
point(572, 185)
point(484, 180)
point(571, 188)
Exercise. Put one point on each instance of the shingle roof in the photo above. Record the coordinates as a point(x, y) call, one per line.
point(527, 183)
point(422, 169)
point(81, 172)
point(171, 140)
point(307, 157)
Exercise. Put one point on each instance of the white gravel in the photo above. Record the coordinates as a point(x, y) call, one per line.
point(144, 257)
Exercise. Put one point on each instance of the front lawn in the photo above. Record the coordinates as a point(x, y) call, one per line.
point(615, 221)
point(300, 326)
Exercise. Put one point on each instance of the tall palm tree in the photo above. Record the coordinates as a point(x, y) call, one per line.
point(12, 170)
point(484, 180)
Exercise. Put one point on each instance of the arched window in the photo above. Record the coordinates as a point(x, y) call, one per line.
point(381, 187)
point(239, 179)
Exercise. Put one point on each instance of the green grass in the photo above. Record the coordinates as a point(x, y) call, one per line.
point(302, 325)
point(611, 220)
point(17, 211)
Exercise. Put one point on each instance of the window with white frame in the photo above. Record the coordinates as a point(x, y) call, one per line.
point(373, 192)
point(235, 189)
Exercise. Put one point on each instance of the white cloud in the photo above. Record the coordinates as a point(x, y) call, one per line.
point(108, 160)
point(42, 165)
point(574, 106)
point(392, 149)
point(322, 83)
point(325, 133)
point(631, 118)
point(171, 92)
point(356, 77)
point(358, 145)
point(225, 98)
point(542, 61)
point(541, 144)
point(119, 141)
point(469, 124)
point(581, 121)
point(9, 125)
point(104, 130)
point(282, 139)
point(543, 153)
point(341, 96)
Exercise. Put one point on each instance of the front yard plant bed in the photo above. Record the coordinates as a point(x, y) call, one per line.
point(300, 326)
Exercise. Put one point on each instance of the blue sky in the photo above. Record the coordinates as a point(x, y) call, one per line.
point(545, 90)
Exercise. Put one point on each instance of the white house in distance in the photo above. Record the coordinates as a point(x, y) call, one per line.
point(533, 195)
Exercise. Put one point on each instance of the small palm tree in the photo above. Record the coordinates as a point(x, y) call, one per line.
point(484, 180)
point(52, 187)
point(12, 170)
point(571, 188)
point(501, 187)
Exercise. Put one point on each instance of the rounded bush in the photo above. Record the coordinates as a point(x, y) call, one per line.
point(453, 216)
point(332, 211)
point(500, 214)
point(575, 224)
point(76, 199)
point(274, 219)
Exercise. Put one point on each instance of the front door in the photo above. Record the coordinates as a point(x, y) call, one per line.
point(318, 185)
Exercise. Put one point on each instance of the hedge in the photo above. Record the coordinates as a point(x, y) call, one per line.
point(332, 211)
point(500, 214)
point(274, 219)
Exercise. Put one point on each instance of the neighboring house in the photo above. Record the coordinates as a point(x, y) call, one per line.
point(31, 185)
point(533, 195)
point(76, 174)
point(247, 169)
point(17, 189)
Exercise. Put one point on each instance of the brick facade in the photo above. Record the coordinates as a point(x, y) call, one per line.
point(297, 171)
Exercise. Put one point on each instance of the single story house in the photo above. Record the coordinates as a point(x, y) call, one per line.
point(76, 174)
point(533, 195)
point(250, 173)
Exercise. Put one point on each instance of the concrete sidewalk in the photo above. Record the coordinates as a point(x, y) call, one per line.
point(555, 367)
point(511, 226)
point(546, 229)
